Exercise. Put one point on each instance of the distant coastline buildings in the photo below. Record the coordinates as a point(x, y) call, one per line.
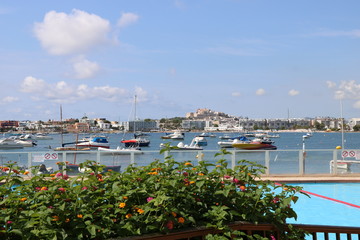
point(202, 119)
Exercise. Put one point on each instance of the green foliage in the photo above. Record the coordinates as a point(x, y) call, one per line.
point(160, 197)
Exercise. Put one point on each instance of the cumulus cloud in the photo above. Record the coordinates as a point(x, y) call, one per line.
point(346, 90)
point(330, 84)
point(8, 99)
point(77, 32)
point(32, 85)
point(84, 68)
point(293, 92)
point(235, 94)
point(260, 92)
point(127, 19)
point(62, 92)
point(141, 94)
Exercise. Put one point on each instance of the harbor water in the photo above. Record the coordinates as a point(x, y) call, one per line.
point(320, 148)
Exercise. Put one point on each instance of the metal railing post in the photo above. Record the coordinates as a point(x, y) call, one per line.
point(29, 160)
point(334, 166)
point(301, 163)
point(267, 162)
point(132, 158)
point(233, 160)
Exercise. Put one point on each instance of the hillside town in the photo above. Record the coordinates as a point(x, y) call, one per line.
point(202, 120)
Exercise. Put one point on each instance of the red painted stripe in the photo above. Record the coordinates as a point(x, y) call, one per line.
point(328, 198)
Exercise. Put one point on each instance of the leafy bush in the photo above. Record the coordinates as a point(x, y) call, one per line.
point(160, 197)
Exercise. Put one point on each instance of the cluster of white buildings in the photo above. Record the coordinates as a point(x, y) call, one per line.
point(202, 119)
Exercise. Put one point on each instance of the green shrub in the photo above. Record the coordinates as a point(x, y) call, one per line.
point(160, 197)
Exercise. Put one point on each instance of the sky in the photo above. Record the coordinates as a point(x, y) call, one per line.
point(246, 58)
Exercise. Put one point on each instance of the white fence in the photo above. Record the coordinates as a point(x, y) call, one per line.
point(295, 162)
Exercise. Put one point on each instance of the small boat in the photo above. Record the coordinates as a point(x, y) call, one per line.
point(200, 141)
point(95, 142)
point(8, 143)
point(42, 136)
point(254, 145)
point(181, 146)
point(177, 135)
point(229, 143)
point(226, 136)
point(207, 135)
point(119, 150)
point(136, 142)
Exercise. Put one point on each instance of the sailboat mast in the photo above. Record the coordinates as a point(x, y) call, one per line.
point(61, 122)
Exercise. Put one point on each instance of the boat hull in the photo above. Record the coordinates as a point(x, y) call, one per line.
point(254, 146)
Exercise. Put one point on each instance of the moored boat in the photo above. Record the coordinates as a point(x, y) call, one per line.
point(95, 142)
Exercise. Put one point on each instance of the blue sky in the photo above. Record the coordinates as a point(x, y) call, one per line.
point(257, 59)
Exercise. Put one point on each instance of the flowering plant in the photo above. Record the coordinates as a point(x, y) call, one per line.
point(160, 197)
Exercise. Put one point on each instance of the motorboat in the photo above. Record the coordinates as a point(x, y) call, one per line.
point(226, 136)
point(136, 142)
point(207, 135)
point(95, 142)
point(42, 136)
point(229, 143)
point(181, 146)
point(200, 141)
point(177, 135)
point(8, 143)
point(254, 145)
point(119, 150)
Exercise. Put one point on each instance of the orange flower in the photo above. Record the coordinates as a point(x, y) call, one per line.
point(43, 189)
point(200, 174)
point(122, 205)
point(79, 216)
point(23, 199)
point(100, 180)
point(140, 211)
point(52, 175)
point(192, 182)
point(188, 164)
point(181, 220)
point(55, 218)
point(174, 214)
point(26, 172)
point(129, 215)
point(67, 220)
point(125, 197)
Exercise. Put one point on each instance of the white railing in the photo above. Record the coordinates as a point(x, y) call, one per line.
point(295, 162)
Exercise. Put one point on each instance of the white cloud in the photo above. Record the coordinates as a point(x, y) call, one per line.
point(84, 68)
point(62, 92)
point(260, 92)
point(8, 99)
point(127, 19)
point(141, 94)
point(63, 34)
point(330, 84)
point(235, 94)
point(293, 92)
point(346, 90)
point(32, 85)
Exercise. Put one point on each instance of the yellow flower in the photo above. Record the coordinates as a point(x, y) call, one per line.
point(188, 164)
point(181, 220)
point(79, 216)
point(192, 182)
point(129, 215)
point(122, 205)
point(140, 211)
